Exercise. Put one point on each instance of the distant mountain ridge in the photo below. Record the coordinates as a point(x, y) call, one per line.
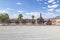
point(57, 17)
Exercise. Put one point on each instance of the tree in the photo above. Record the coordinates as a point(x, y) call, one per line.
point(33, 21)
point(20, 17)
point(1, 18)
point(33, 16)
point(4, 17)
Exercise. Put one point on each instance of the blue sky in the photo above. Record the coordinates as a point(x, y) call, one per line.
point(48, 8)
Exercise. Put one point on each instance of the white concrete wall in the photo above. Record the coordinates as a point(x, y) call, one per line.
point(58, 22)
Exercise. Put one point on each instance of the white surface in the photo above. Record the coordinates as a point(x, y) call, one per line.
point(29, 32)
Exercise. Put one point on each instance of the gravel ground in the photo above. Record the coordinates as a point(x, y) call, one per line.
point(29, 32)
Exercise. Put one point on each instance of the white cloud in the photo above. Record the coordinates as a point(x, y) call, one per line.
point(39, 0)
point(36, 14)
point(18, 3)
point(50, 1)
point(44, 7)
point(27, 13)
point(4, 11)
point(49, 15)
point(53, 6)
point(44, 15)
point(50, 9)
point(58, 10)
point(13, 16)
point(20, 11)
point(9, 9)
point(45, 3)
point(57, 1)
point(54, 3)
point(33, 13)
point(8, 12)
